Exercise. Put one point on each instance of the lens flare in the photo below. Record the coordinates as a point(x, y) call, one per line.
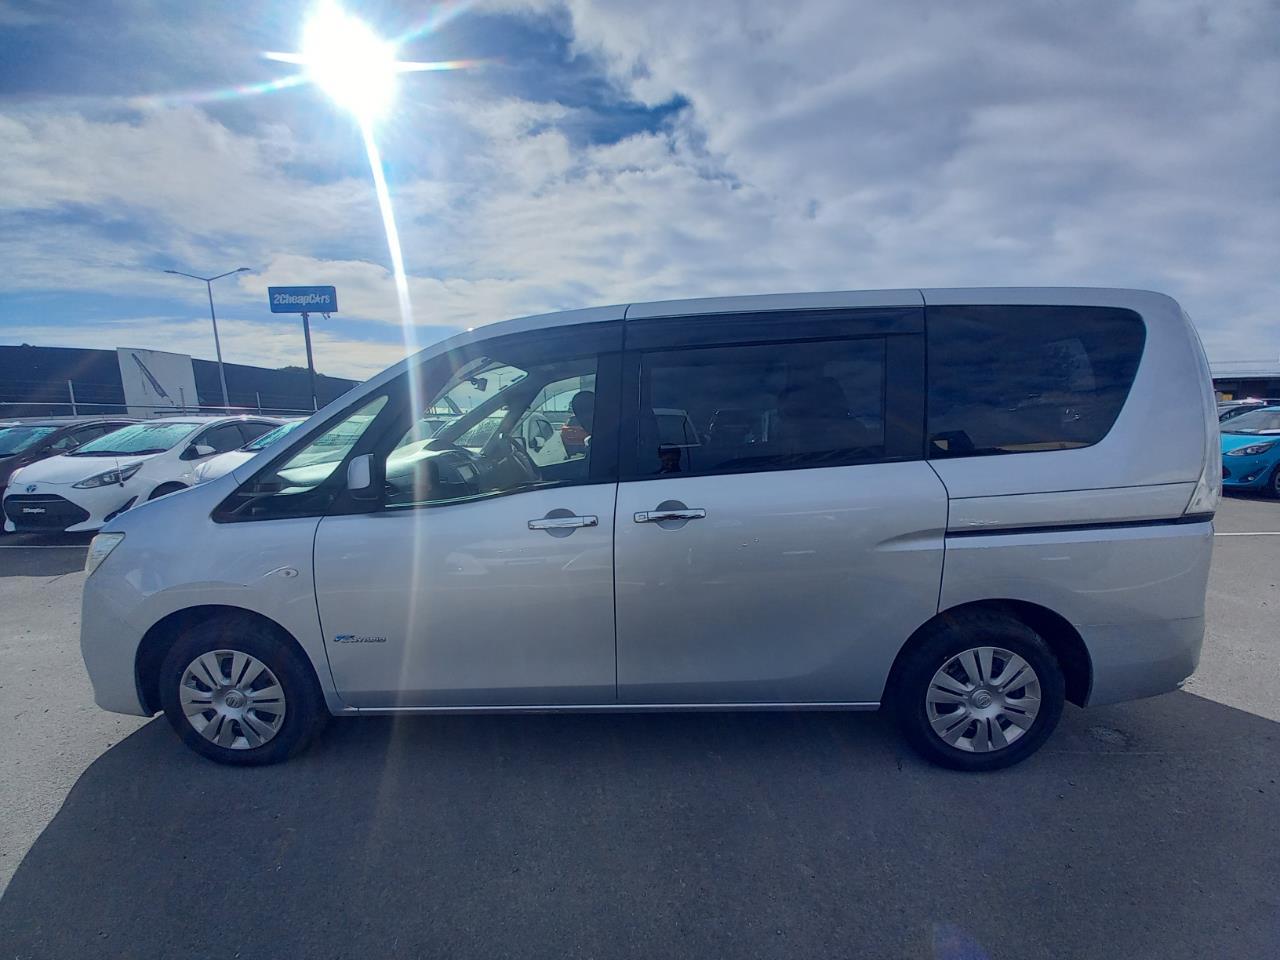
point(349, 62)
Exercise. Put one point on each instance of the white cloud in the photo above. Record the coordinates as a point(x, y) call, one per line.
point(826, 146)
point(1091, 143)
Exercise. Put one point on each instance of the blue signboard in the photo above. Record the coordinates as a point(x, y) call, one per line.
point(303, 299)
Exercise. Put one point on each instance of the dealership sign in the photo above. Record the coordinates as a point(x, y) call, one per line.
point(303, 299)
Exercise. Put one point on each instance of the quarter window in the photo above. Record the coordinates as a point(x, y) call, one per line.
point(727, 409)
point(1018, 379)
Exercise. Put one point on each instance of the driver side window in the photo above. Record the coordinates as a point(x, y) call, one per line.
point(499, 424)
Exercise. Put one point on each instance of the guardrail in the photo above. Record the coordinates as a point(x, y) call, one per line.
point(80, 397)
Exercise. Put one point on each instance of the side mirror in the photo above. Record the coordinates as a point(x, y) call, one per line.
point(366, 477)
point(197, 451)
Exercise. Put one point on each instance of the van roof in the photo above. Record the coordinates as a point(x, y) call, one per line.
point(1150, 304)
point(828, 300)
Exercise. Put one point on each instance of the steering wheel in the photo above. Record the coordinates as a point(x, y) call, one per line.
point(509, 449)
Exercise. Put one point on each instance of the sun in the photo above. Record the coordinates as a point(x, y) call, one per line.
point(344, 57)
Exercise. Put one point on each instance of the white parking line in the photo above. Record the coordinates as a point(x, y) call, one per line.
point(1252, 533)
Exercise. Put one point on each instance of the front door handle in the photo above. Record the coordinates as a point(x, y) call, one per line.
point(657, 516)
point(563, 523)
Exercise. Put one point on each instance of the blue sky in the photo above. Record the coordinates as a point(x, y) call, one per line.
point(612, 151)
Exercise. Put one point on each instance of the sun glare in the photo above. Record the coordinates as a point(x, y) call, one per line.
point(349, 62)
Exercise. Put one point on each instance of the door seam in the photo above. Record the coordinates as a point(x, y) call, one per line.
point(613, 555)
point(315, 595)
point(946, 525)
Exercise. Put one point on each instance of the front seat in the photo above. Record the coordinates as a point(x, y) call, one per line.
point(814, 417)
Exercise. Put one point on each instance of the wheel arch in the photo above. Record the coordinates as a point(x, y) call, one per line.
point(162, 635)
point(166, 488)
point(1063, 639)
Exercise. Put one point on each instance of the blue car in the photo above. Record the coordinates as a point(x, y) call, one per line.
point(1251, 451)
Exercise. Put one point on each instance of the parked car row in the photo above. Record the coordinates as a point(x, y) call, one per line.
point(23, 442)
point(98, 469)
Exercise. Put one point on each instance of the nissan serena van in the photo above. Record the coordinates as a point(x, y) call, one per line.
point(965, 506)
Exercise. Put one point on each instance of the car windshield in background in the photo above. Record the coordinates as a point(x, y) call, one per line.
point(271, 436)
point(332, 446)
point(16, 439)
point(1255, 421)
point(137, 439)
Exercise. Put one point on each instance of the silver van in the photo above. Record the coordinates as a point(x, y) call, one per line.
point(967, 506)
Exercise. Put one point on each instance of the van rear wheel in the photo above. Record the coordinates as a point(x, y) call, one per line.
point(979, 692)
point(238, 693)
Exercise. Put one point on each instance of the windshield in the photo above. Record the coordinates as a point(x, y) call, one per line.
point(271, 436)
point(137, 438)
point(17, 439)
point(1256, 421)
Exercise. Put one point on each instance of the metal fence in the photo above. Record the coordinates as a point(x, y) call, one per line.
point(79, 398)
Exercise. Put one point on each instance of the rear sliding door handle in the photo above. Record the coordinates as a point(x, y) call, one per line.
point(657, 516)
point(563, 523)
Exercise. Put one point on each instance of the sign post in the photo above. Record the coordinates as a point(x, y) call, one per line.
point(305, 300)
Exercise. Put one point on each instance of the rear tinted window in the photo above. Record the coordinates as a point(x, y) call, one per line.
point(1017, 379)
point(773, 406)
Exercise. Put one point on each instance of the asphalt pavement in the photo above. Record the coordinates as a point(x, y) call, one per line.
point(1140, 830)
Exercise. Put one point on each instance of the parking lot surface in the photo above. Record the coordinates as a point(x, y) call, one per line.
point(1141, 830)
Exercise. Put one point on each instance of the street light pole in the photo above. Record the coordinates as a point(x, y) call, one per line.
point(217, 343)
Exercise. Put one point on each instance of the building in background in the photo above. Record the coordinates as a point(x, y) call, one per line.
point(43, 381)
point(1238, 379)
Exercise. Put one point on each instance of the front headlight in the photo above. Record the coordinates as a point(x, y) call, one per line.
point(99, 547)
point(108, 477)
point(1252, 450)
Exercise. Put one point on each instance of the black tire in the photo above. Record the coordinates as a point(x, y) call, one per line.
point(165, 488)
point(1273, 488)
point(950, 637)
point(304, 714)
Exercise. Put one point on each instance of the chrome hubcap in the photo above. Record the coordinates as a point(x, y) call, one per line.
point(232, 699)
point(983, 699)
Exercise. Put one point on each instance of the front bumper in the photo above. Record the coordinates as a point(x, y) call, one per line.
point(109, 643)
point(58, 508)
point(1246, 473)
point(42, 513)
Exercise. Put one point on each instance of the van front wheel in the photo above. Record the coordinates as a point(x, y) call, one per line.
point(235, 692)
point(980, 692)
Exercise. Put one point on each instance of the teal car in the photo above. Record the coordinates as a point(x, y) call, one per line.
point(1251, 451)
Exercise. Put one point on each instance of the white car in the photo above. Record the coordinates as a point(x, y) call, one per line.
point(83, 489)
point(215, 467)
